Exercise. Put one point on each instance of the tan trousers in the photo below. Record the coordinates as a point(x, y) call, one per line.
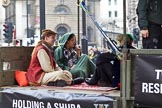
point(56, 75)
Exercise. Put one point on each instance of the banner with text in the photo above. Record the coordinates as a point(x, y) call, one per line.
point(148, 80)
point(50, 99)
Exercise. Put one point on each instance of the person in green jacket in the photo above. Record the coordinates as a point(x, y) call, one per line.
point(68, 56)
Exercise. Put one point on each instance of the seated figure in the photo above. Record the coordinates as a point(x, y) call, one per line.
point(108, 66)
point(43, 69)
point(68, 56)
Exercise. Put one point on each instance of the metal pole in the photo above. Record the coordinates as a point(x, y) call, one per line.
point(78, 22)
point(27, 30)
point(123, 67)
point(125, 71)
point(42, 15)
point(94, 28)
point(124, 23)
point(84, 37)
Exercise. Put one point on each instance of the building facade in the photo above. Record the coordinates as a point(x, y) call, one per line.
point(63, 16)
point(60, 15)
point(114, 22)
point(133, 22)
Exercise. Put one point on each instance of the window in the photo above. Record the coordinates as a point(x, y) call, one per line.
point(115, 2)
point(109, 2)
point(62, 9)
point(109, 13)
point(116, 14)
point(61, 30)
point(30, 10)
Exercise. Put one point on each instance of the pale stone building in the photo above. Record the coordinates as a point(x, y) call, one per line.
point(60, 15)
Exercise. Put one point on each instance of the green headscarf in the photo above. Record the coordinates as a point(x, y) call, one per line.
point(64, 39)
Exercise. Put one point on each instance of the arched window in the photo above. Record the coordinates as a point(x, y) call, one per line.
point(62, 9)
point(62, 29)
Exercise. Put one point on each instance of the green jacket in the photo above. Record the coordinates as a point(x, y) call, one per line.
point(84, 66)
point(60, 58)
point(149, 10)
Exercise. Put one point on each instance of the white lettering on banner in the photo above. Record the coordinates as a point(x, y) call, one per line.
point(63, 105)
point(152, 88)
point(36, 104)
point(49, 105)
point(26, 104)
point(17, 103)
point(158, 73)
point(101, 105)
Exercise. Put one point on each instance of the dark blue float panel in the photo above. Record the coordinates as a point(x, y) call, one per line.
point(25, 98)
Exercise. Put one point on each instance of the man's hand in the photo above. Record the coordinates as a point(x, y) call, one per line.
point(145, 33)
point(67, 73)
point(68, 77)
